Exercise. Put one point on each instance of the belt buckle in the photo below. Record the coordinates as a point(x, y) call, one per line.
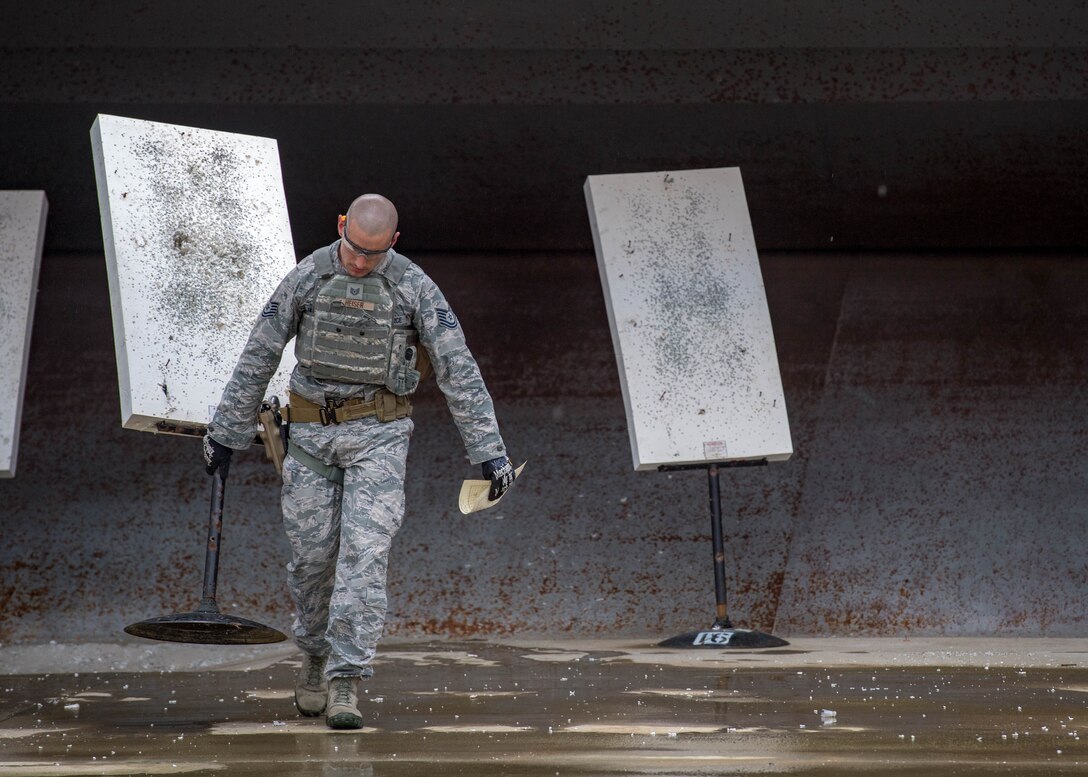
point(327, 413)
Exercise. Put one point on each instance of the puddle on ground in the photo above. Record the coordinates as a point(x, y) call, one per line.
point(292, 727)
point(641, 729)
point(485, 711)
point(493, 728)
point(271, 694)
point(555, 657)
point(700, 695)
point(475, 694)
point(434, 658)
point(67, 769)
point(19, 733)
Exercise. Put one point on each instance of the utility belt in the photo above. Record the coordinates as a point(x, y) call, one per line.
point(385, 405)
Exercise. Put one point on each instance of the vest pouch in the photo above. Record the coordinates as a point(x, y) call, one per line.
point(389, 407)
point(402, 378)
point(346, 353)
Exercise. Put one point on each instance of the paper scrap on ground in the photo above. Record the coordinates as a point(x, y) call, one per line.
point(474, 493)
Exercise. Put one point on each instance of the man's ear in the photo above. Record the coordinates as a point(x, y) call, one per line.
point(341, 222)
point(395, 236)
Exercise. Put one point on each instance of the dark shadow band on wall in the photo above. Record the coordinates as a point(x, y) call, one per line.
point(907, 176)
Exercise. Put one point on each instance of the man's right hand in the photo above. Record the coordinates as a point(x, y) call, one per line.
point(216, 455)
point(501, 474)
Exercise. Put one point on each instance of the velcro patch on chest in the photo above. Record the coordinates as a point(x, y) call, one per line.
point(362, 304)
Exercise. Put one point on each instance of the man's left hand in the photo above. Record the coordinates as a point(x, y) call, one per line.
point(501, 474)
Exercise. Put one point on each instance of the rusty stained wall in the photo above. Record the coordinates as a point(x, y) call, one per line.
point(936, 405)
point(946, 486)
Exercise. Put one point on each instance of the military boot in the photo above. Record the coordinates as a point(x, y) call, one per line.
point(311, 687)
point(343, 707)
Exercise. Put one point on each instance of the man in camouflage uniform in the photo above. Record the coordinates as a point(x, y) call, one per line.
point(359, 312)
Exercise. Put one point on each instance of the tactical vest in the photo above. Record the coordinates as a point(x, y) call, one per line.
point(346, 333)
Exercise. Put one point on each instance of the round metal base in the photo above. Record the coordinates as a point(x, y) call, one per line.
point(206, 627)
point(724, 638)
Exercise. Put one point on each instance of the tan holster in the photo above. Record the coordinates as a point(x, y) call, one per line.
point(270, 418)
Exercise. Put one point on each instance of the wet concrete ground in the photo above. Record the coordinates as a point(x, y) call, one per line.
point(817, 707)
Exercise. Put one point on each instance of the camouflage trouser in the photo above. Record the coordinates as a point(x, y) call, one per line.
point(340, 536)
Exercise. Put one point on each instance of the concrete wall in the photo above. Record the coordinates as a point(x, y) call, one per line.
point(935, 398)
point(936, 404)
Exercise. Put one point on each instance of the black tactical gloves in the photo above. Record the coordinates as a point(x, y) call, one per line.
point(216, 455)
point(501, 474)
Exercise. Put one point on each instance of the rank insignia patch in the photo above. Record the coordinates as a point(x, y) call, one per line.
point(446, 318)
point(271, 310)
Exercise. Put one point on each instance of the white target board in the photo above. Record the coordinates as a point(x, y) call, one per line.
point(689, 319)
point(22, 233)
point(197, 238)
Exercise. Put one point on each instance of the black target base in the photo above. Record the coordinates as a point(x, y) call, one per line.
point(719, 638)
point(206, 626)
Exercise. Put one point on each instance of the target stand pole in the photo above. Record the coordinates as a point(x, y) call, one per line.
point(215, 537)
point(721, 619)
point(722, 634)
point(206, 625)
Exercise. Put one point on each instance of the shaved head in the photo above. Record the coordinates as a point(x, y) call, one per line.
point(374, 215)
point(367, 232)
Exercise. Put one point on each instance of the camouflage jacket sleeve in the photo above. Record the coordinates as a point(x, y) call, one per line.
point(235, 421)
point(457, 374)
